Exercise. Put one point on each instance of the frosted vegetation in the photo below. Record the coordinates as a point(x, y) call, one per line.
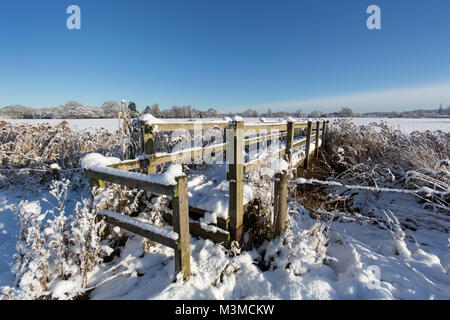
point(341, 242)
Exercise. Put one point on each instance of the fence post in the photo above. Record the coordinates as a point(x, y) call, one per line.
point(236, 180)
point(280, 202)
point(181, 226)
point(308, 145)
point(324, 130)
point(149, 146)
point(290, 140)
point(316, 149)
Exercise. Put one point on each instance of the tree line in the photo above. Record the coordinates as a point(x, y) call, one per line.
point(111, 109)
point(70, 110)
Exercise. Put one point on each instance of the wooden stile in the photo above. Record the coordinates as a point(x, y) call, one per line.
point(232, 228)
point(235, 149)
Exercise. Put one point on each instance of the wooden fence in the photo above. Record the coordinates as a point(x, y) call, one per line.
point(238, 137)
point(179, 194)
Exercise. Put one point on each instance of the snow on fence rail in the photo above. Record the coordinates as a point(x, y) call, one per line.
point(239, 138)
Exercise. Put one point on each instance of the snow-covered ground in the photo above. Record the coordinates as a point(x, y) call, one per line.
point(75, 124)
point(406, 125)
point(351, 258)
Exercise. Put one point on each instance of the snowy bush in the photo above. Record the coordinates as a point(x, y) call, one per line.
point(32, 269)
point(62, 248)
point(377, 155)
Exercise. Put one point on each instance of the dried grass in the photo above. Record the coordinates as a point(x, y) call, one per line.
point(377, 155)
point(27, 151)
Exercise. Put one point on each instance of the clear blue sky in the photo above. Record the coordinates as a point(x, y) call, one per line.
point(229, 55)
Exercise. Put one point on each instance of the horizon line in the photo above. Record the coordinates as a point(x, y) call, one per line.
point(391, 99)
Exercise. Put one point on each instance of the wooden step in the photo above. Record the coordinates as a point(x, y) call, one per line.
point(197, 214)
point(195, 229)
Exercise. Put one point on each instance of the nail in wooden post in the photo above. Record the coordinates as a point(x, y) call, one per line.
point(235, 178)
point(316, 149)
point(290, 140)
point(280, 202)
point(149, 147)
point(308, 145)
point(181, 226)
point(96, 183)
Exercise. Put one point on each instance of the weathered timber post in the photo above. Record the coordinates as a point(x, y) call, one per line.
point(181, 226)
point(235, 158)
point(258, 144)
point(290, 140)
point(324, 130)
point(149, 146)
point(308, 145)
point(316, 149)
point(280, 202)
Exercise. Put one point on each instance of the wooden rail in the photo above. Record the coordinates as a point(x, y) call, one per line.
point(263, 138)
point(189, 154)
point(191, 125)
point(180, 215)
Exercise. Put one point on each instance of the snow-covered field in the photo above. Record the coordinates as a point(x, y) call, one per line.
point(406, 125)
point(75, 124)
point(392, 248)
point(409, 125)
point(361, 261)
